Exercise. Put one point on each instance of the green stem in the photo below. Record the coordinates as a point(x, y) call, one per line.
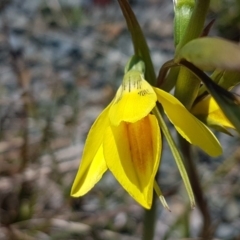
point(196, 23)
point(187, 84)
point(182, 14)
point(187, 87)
point(206, 231)
point(150, 220)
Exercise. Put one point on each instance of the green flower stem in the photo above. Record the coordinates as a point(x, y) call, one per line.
point(150, 220)
point(187, 84)
point(182, 14)
point(196, 23)
point(187, 87)
point(175, 152)
point(206, 231)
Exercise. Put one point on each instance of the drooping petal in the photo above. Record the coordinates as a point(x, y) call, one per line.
point(193, 130)
point(132, 152)
point(208, 110)
point(134, 99)
point(93, 164)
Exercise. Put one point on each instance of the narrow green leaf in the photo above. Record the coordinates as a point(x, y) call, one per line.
point(138, 39)
point(210, 53)
point(176, 154)
point(225, 79)
point(215, 76)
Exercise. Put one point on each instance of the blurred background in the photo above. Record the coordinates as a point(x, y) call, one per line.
point(61, 62)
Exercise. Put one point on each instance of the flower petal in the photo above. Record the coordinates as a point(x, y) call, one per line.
point(208, 110)
point(93, 164)
point(193, 130)
point(134, 99)
point(132, 153)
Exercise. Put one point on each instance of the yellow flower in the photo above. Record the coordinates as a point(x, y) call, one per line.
point(126, 139)
point(208, 111)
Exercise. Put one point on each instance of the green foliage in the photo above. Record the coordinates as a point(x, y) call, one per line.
point(208, 53)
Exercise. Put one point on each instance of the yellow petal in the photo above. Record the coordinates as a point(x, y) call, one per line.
point(132, 153)
point(134, 100)
point(193, 130)
point(93, 164)
point(208, 110)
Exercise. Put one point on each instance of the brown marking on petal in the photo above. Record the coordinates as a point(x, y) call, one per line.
point(132, 82)
point(143, 92)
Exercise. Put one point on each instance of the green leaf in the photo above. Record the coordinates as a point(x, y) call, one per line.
point(215, 76)
point(138, 39)
point(227, 101)
point(225, 79)
point(210, 53)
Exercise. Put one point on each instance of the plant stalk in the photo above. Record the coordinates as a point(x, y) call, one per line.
point(150, 220)
point(207, 228)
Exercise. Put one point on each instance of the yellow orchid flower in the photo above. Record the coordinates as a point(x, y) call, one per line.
point(208, 111)
point(126, 139)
